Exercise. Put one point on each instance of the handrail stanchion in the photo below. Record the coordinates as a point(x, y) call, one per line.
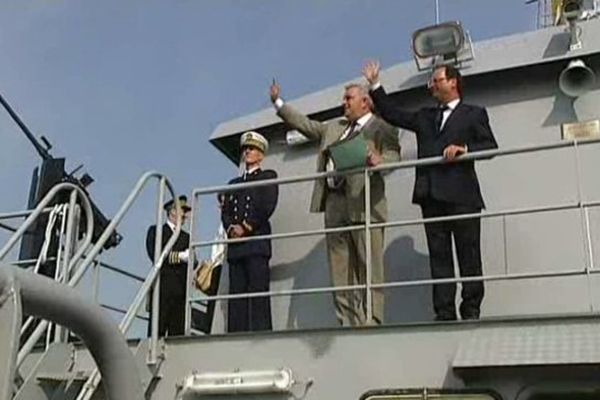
point(505, 244)
point(59, 268)
point(32, 216)
point(93, 252)
point(96, 281)
point(368, 247)
point(60, 332)
point(41, 208)
point(152, 356)
point(191, 264)
point(94, 379)
point(585, 223)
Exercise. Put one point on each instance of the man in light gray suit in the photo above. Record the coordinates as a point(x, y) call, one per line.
point(343, 199)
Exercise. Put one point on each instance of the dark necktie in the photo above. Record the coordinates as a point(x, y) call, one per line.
point(440, 116)
point(353, 129)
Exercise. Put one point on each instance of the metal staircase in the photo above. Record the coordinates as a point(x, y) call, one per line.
point(57, 373)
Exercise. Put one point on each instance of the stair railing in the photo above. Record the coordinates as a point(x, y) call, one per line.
point(152, 280)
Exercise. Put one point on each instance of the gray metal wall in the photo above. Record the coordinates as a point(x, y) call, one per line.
point(345, 363)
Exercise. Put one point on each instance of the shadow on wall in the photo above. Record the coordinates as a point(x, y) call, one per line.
point(312, 271)
point(404, 263)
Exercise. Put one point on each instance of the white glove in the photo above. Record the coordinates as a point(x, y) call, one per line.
point(184, 256)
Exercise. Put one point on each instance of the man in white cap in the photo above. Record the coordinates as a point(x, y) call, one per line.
point(246, 212)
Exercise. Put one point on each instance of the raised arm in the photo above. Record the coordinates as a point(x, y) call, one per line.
point(314, 130)
point(384, 105)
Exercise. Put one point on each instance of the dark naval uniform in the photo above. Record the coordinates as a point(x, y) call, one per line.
point(248, 262)
point(173, 277)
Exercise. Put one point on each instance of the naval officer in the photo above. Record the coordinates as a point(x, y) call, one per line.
point(173, 272)
point(245, 213)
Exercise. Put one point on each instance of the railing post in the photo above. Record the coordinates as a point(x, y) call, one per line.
point(368, 247)
point(10, 325)
point(585, 225)
point(152, 357)
point(69, 214)
point(191, 264)
point(96, 281)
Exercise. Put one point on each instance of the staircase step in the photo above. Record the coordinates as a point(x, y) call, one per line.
point(64, 376)
point(59, 357)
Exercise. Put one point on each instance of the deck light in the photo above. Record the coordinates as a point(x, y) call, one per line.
point(237, 382)
point(441, 44)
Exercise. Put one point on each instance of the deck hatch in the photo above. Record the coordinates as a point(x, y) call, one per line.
point(543, 344)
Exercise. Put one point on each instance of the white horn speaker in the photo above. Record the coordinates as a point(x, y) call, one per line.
point(576, 79)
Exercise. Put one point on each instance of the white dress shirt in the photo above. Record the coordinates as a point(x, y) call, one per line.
point(449, 109)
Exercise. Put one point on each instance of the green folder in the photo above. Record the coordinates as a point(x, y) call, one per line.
point(348, 154)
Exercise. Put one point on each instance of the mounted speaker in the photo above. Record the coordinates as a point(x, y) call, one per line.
point(576, 79)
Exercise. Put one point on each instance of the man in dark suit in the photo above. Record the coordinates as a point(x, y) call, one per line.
point(451, 129)
point(245, 213)
point(173, 272)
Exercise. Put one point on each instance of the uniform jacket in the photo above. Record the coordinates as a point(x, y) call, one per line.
point(251, 208)
point(173, 272)
point(467, 125)
point(384, 139)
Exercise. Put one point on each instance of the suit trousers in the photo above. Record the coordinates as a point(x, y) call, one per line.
point(249, 275)
point(466, 235)
point(347, 257)
point(171, 313)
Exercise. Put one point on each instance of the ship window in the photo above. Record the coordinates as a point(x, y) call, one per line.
point(430, 394)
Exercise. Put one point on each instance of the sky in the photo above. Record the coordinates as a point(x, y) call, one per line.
point(127, 86)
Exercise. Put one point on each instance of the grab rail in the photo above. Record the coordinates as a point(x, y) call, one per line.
point(368, 225)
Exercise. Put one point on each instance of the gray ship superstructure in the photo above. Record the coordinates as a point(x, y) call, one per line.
point(539, 332)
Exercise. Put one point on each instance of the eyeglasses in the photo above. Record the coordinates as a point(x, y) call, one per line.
point(437, 80)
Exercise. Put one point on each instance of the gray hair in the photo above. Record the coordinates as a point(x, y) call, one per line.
point(364, 92)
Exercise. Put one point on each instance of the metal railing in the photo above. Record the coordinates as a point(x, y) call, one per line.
point(580, 204)
point(151, 282)
point(89, 254)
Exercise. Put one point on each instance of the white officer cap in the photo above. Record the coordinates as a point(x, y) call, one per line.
point(254, 139)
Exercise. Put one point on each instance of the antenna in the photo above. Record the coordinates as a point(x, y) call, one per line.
point(43, 152)
point(437, 12)
point(546, 10)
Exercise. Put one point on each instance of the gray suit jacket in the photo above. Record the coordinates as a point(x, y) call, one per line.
point(383, 138)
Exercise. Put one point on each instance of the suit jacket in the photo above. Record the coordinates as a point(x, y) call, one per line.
point(467, 125)
point(173, 273)
point(251, 208)
point(384, 139)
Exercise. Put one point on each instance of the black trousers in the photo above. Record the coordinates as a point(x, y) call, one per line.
point(171, 314)
point(468, 250)
point(247, 275)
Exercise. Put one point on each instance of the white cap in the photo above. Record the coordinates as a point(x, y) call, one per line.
point(255, 139)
